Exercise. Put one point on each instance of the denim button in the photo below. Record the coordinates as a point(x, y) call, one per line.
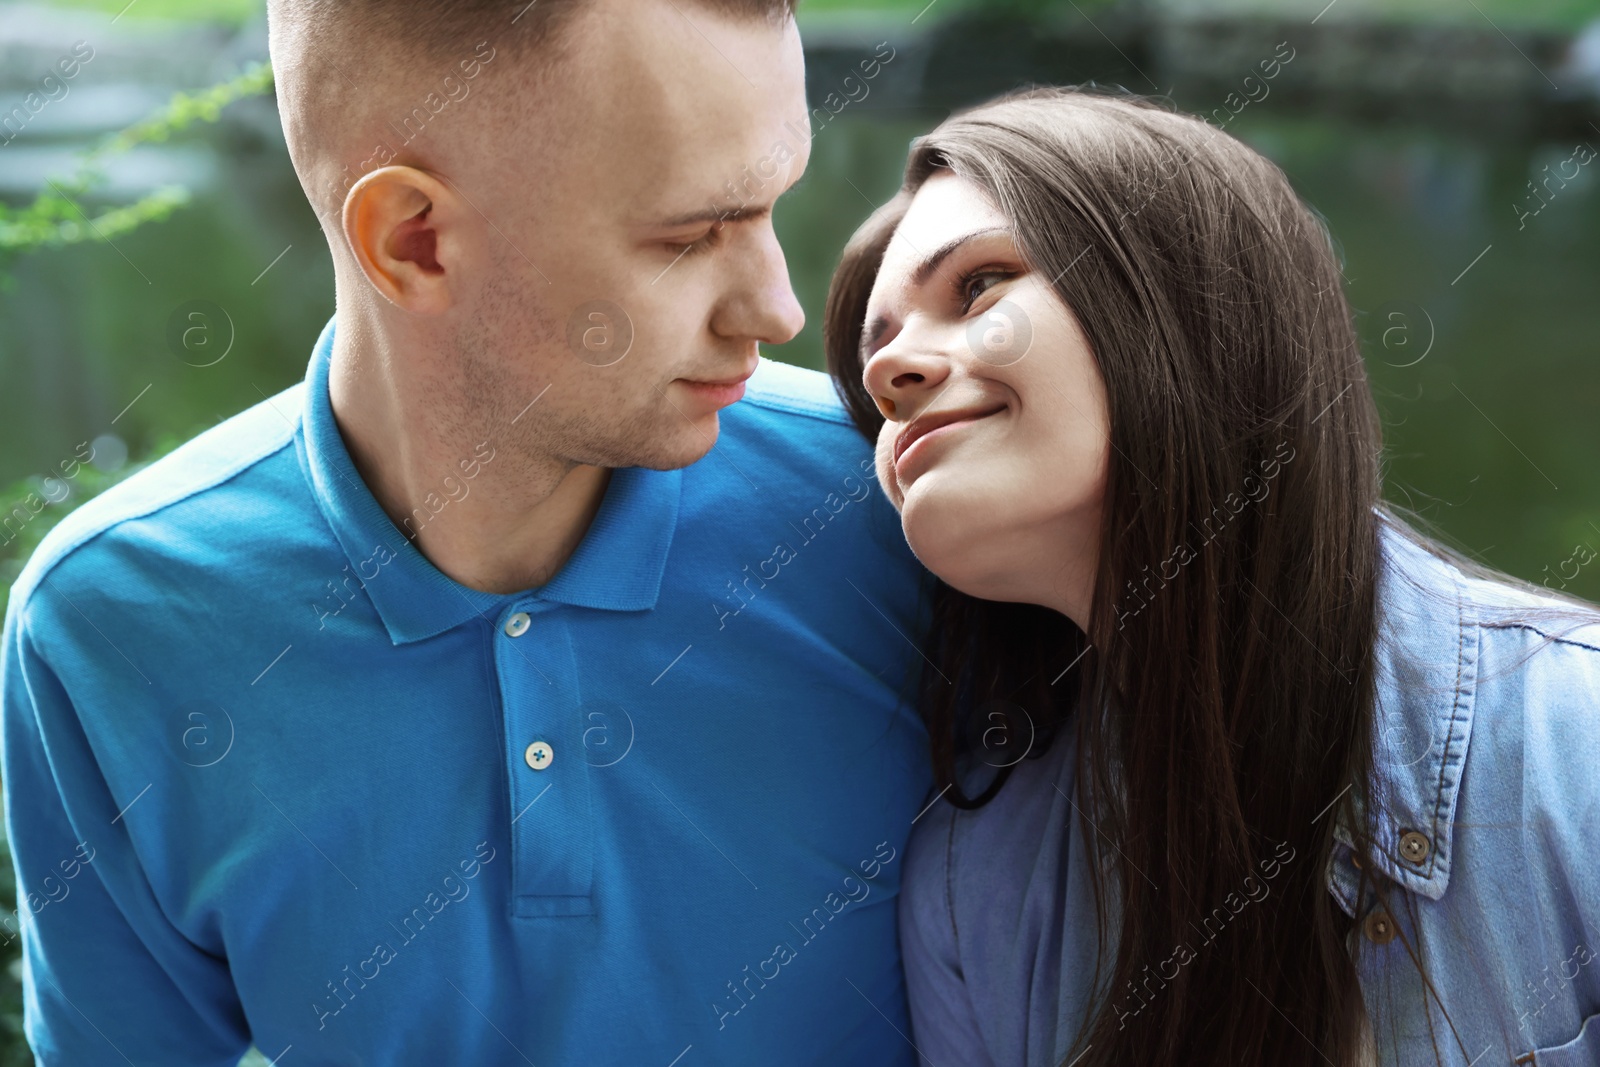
point(1379, 926)
point(1414, 847)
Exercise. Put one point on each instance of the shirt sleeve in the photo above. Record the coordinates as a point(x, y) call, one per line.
point(944, 1024)
point(107, 979)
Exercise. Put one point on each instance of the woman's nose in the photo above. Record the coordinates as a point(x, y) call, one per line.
point(901, 372)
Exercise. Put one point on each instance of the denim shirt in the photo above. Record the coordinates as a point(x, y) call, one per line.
point(1487, 793)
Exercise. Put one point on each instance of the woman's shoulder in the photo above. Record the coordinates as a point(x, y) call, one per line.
point(1428, 586)
point(1447, 624)
point(1488, 774)
point(1488, 699)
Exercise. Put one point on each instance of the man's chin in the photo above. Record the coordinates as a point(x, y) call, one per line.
point(687, 449)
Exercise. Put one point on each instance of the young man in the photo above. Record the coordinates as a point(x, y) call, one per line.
point(506, 692)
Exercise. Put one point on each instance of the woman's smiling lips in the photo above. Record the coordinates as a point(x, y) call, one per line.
point(912, 442)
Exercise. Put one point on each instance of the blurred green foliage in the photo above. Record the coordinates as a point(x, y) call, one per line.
point(223, 12)
point(55, 217)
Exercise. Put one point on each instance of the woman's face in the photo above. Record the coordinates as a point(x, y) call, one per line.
point(995, 446)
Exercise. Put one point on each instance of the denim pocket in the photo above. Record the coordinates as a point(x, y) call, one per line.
point(1581, 1051)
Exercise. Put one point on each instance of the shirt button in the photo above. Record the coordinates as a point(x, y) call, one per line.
point(1414, 847)
point(1379, 927)
point(517, 625)
point(539, 755)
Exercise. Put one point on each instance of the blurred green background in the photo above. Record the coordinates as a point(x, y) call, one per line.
point(1418, 128)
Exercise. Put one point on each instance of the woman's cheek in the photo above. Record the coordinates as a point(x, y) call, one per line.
point(886, 478)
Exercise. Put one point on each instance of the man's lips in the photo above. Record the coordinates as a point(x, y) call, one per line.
point(923, 425)
point(719, 392)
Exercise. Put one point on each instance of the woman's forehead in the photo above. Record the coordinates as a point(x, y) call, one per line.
point(947, 211)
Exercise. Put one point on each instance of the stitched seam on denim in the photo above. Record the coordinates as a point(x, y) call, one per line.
point(1455, 714)
point(1534, 629)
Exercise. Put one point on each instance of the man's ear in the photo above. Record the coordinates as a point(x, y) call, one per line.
point(406, 229)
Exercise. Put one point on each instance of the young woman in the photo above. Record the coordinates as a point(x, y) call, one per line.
point(1234, 766)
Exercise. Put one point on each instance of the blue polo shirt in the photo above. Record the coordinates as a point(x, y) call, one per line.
point(272, 777)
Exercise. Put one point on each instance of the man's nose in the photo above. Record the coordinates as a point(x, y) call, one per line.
point(762, 306)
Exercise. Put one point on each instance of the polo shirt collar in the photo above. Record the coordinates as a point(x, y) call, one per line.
point(617, 566)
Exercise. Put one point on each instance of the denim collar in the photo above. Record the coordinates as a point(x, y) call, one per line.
point(617, 567)
point(1425, 681)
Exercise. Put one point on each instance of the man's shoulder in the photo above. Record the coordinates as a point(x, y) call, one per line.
point(202, 465)
point(786, 388)
point(791, 419)
point(792, 427)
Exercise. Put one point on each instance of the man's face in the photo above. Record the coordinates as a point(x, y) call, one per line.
point(616, 287)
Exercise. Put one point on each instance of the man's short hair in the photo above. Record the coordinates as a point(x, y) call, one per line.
point(444, 29)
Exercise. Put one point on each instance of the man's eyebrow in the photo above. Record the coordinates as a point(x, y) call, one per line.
point(712, 215)
point(925, 269)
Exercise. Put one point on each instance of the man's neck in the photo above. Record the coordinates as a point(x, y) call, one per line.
point(497, 524)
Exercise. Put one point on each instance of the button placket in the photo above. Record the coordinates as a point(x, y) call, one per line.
point(549, 806)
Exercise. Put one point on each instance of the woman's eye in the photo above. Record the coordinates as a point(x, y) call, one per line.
point(975, 285)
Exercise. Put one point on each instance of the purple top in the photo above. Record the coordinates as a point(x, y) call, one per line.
point(983, 922)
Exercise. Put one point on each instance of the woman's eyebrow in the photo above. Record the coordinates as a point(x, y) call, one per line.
point(926, 268)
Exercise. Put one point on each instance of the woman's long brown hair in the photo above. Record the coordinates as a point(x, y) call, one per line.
point(1223, 696)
